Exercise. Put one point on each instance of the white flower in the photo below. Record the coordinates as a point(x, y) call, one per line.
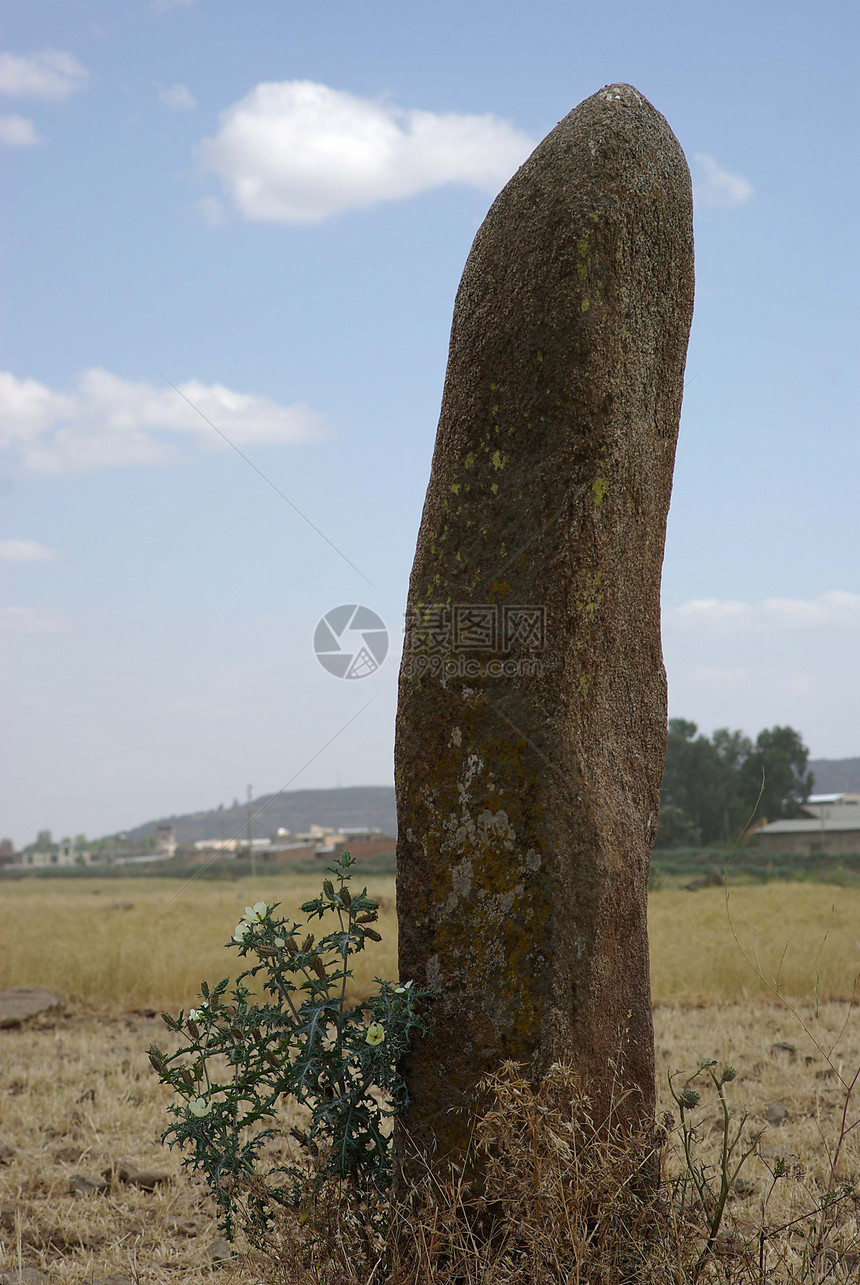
point(241, 931)
point(199, 1107)
point(257, 913)
point(400, 990)
point(195, 1014)
point(279, 941)
point(375, 1034)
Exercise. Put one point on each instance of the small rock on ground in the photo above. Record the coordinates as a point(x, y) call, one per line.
point(147, 1179)
point(183, 1226)
point(783, 1046)
point(81, 1185)
point(220, 1251)
point(19, 1003)
point(776, 1113)
point(23, 1276)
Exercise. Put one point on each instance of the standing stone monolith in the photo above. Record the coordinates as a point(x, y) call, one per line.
point(531, 725)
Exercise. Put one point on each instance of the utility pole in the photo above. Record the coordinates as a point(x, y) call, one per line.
point(251, 837)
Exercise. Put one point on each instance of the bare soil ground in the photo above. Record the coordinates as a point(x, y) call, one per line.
point(78, 1100)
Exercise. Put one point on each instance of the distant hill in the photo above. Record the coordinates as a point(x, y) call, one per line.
point(363, 805)
point(373, 806)
point(834, 775)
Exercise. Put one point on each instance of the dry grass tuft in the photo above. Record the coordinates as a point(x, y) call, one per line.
point(561, 1201)
point(564, 1199)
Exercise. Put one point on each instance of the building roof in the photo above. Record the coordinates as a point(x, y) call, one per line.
point(826, 825)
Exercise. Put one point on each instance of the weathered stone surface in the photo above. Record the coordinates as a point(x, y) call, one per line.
point(23, 1276)
point(527, 799)
point(19, 1003)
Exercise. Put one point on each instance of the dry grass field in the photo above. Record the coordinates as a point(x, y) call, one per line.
point(78, 1097)
point(802, 936)
point(122, 944)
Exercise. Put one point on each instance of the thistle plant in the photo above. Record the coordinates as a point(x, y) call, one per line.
point(712, 1185)
point(241, 1057)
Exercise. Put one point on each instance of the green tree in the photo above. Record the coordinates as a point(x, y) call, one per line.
point(733, 750)
point(693, 785)
point(711, 786)
point(675, 829)
point(779, 760)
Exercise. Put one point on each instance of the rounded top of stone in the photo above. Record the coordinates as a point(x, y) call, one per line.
point(620, 93)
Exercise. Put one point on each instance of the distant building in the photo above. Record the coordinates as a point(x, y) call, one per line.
point(58, 854)
point(818, 805)
point(231, 847)
point(327, 840)
point(322, 840)
point(830, 828)
point(165, 840)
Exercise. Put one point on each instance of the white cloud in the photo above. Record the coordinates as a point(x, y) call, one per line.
point(18, 131)
point(49, 74)
point(837, 606)
point(297, 152)
point(24, 551)
point(110, 422)
point(751, 665)
point(178, 98)
point(18, 621)
point(718, 187)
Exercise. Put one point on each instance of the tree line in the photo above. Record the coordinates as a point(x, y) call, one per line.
point(714, 787)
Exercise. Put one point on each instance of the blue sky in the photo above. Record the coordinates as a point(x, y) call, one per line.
point(269, 206)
